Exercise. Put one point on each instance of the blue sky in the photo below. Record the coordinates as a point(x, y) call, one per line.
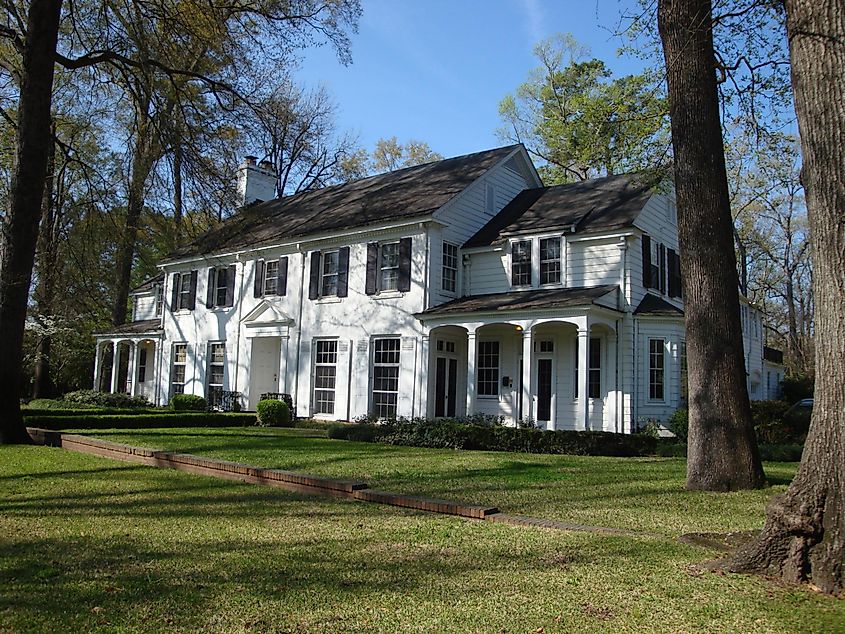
point(435, 70)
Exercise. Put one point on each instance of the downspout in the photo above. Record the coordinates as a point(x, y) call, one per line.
point(299, 327)
point(240, 315)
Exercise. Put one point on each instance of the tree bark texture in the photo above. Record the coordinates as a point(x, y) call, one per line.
point(804, 536)
point(21, 229)
point(722, 449)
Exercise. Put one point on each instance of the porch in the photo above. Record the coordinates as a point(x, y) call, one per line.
point(128, 358)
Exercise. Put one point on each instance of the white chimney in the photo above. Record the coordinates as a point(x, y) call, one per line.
point(256, 183)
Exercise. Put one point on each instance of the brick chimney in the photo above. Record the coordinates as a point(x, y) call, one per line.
point(256, 183)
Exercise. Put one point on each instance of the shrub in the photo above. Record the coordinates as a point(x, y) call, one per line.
point(105, 399)
point(188, 403)
point(678, 424)
point(794, 388)
point(81, 420)
point(272, 413)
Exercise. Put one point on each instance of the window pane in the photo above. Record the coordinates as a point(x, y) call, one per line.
point(521, 263)
point(655, 368)
point(550, 261)
point(386, 377)
point(325, 376)
point(488, 368)
point(450, 267)
point(271, 276)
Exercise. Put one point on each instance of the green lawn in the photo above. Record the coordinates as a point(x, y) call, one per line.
point(637, 493)
point(92, 545)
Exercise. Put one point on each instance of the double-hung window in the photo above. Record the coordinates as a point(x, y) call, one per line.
point(550, 261)
point(386, 377)
point(184, 293)
point(271, 277)
point(216, 371)
point(656, 374)
point(177, 373)
point(658, 266)
point(142, 365)
point(159, 290)
point(389, 266)
point(221, 285)
point(325, 376)
point(593, 368)
point(450, 268)
point(328, 273)
point(488, 368)
point(521, 263)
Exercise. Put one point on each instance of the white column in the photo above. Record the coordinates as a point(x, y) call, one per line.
point(115, 364)
point(611, 408)
point(98, 351)
point(283, 366)
point(472, 349)
point(527, 387)
point(132, 371)
point(422, 373)
point(583, 410)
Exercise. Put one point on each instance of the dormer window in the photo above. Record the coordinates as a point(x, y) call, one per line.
point(550, 261)
point(521, 263)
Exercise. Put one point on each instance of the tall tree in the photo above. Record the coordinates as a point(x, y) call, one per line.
point(582, 123)
point(722, 450)
point(20, 231)
point(804, 536)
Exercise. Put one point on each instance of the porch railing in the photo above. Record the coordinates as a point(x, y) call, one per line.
point(224, 400)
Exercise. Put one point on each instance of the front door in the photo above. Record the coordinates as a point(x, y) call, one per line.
point(445, 386)
point(544, 390)
point(264, 368)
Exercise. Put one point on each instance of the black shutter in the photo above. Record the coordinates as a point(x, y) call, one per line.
point(192, 302)
point(174, 298)
point(258, 283)
point(404, 284)
point(343, 272)
point(314, 285)
point(674, 273)
point(646, 261)
point(230, 285)
point(372, 268)
point(282, 280)
point(209, 293)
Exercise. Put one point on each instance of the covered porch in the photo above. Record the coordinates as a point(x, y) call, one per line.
point(547, 358)
point(128, 359)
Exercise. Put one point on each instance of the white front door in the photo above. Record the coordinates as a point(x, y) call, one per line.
point(264, 368)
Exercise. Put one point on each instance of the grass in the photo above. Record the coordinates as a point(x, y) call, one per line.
point(92, 545)
point(644, 494)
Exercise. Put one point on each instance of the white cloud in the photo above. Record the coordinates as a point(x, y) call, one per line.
point(535, 20)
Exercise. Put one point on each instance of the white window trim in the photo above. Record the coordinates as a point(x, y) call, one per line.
point(531, 242)
point(380, 268)
point(323, 274)
point(173, 364)
point(275, 278)
point(314, 388)
point(561, 261)
point(373, 365)
point(443, 289)
point(478, 369)
point(648, 369)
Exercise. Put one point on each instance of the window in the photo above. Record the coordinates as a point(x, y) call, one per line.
point(445, 346)
point(142, 365)
point(183, 297)
point(389, 266)
point(488, 368)
point(385, 377)
point(271, 277)
point(593, 368)
point(159, 290)
point(221, 277)
point(490, 199)
point(450, 268)
point(655, 369)
point(325, 376)
point(550, 261)
point(216, 365)
point(177, 374)
point(329, 271)
point(521, 263)
point(547, 345)
point(658, 266)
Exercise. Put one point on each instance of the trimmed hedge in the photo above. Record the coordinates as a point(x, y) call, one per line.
point(28, 412)
point(188, 403)
point(140, 421)
point(105, 399)
point(273, 413)
point(450, 434)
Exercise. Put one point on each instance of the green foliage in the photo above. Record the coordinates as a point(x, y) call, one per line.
point(678, 424)
point(188, 403)
point(583, 123)
point(455, 434)
point(104, 399)
point(273, 413)
point(145, 420)
point(56, 404)
point(794, 388)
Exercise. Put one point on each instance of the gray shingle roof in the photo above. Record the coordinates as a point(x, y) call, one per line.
point(406, 193)
point(521, 300)
point(145, 326)
point(657, 306)
point(600, 204)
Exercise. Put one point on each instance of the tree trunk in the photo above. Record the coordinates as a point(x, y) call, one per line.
point(21, 228)
point(47, 254)
point(142, 163)
point(804, 536)
point(722, 450)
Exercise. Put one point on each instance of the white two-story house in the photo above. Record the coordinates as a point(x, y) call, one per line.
point(448, 289)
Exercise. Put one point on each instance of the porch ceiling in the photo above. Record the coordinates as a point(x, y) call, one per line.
point(546, 299)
